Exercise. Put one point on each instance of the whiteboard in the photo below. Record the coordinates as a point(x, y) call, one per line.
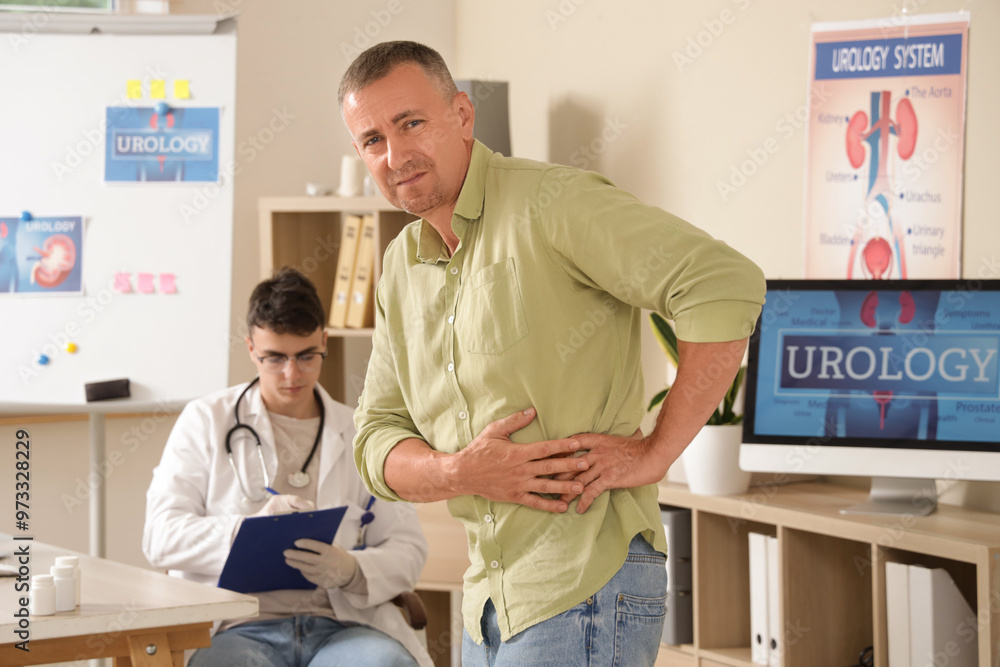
point(57, 89)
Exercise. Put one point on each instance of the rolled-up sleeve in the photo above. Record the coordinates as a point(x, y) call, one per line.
point(382, 418)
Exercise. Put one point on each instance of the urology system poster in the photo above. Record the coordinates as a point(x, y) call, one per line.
point(885, 148)
point(162, 144)
point(41, 256)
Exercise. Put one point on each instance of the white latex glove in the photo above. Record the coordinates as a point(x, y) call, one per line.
point(329, 567)
point(283, 504)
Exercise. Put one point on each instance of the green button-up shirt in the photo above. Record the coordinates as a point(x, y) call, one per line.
point(539, 306)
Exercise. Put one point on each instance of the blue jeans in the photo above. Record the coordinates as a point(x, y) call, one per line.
point(299, 641)
point(618, 626)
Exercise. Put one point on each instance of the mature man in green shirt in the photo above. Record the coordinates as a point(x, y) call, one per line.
point(505, 373)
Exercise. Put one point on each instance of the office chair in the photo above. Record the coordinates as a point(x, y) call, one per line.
point(412, 608)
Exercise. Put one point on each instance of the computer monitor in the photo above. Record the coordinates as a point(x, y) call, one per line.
point(896, 379)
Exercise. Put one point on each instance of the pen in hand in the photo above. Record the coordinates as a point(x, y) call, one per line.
point(283, 503)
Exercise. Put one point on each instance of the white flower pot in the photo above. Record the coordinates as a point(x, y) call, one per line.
point(712, 462)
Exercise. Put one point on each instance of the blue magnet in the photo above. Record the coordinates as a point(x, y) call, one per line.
point(162, 108)
point(42, 359)
point(25, 216)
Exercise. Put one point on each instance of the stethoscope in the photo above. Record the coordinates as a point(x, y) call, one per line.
point(297, 479)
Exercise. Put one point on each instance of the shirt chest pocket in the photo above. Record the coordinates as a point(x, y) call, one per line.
point(490, 315)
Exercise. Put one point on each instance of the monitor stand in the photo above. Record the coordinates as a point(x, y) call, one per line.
point(898, 496)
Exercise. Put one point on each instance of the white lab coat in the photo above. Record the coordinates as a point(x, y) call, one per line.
point(195, 505)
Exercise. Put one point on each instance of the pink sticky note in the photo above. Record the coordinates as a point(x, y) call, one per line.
point(123, 282)
point(145, 283)
point(167, 285)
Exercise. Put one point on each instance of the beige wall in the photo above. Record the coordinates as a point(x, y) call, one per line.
point(605, 78)
point(587, 70)
point(62, 482)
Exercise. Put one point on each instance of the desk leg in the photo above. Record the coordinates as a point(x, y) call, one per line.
point(151, 650)
point(457, 628)
point(97, 439)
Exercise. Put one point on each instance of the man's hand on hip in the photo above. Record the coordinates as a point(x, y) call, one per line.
point(704, 374)
point(616, 462)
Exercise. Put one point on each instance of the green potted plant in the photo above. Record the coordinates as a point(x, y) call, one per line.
point(711, 461)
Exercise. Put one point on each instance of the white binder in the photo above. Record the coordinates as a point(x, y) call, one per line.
point(759, 635)
point(897, 611)
point(774, 625)
point(942, 624)
point(678, 624)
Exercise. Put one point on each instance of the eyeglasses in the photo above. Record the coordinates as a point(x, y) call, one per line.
point(307, 362)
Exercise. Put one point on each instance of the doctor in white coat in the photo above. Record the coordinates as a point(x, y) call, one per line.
point(200, 495)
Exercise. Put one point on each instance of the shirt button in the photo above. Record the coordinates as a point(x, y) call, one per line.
point(454, 270)
point(462, 415)
point(488, 518)
point(494, 564)
point(451, 319)
point(451, 367)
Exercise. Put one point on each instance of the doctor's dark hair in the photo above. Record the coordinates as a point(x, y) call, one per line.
point(287, 303)
point(377, 61)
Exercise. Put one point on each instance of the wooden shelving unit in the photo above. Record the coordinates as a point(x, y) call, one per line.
point(832, 569)
point(304, 232)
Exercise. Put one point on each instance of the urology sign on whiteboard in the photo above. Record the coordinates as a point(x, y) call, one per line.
point(885, 148)
point(145, 145)
point(41, 256)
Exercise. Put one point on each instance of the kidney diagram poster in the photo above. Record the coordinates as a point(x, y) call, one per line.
point(41, 256)
point(885, 148)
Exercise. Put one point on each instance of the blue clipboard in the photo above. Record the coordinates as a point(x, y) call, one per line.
point(256, 563)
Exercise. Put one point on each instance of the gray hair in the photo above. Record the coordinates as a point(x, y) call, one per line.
point(377, 61)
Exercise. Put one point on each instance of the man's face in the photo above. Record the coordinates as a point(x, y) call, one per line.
point(416, 144)
point(289, 391)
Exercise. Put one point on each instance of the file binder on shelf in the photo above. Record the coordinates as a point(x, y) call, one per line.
point(350, 227)
point(897, 612)
point(760, 637)
point(774, 625)
point(942, 624)
point(678, 626)
point(359, 305)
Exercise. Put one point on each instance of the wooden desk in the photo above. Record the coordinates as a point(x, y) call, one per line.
point(125, 612)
